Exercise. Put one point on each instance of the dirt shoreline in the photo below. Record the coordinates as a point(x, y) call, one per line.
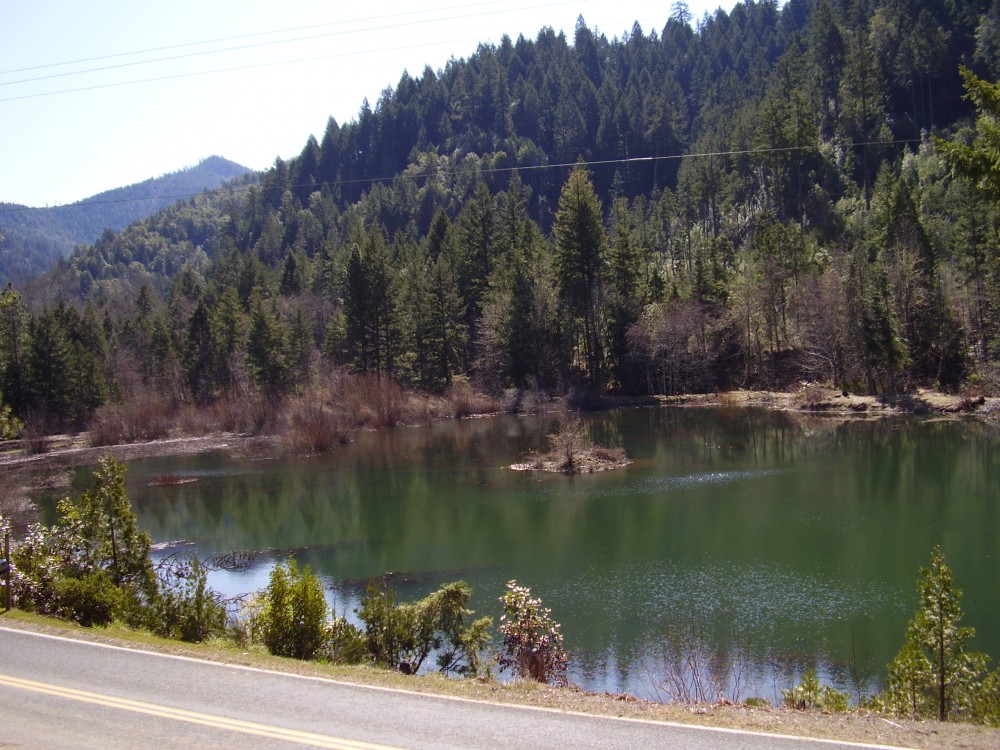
point(815, 400)
point(22, 471)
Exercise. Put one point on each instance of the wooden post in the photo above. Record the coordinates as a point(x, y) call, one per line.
point(6, 574)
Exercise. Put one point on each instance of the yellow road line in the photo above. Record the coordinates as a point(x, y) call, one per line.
point(192, 717)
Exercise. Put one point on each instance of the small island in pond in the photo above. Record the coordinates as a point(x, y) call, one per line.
point(571, 452)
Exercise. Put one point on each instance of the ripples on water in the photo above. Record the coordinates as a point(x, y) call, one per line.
point(761, 620)
point(657, 485)
point(728, 523)
point(653, 485)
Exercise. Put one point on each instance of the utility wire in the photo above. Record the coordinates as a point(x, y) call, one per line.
point(252, 66)
point(233, 69)
point(257, 45)
point(490, 170)
point(309, 27)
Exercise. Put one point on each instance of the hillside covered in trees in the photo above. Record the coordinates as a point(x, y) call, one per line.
point(33, 239)
point(756, 199)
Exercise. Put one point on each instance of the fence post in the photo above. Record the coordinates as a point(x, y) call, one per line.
point(6, 572)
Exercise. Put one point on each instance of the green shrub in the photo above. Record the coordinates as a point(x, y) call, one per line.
point(404, 635)
point(293, 618)
point(388, 628)
point(988, 699)
point(441, 626)
point(812, 696)
point(186, 608)
point(37, 561)
point(89, 600)
point(345, 643)
point(10, 425)
point(102, 531)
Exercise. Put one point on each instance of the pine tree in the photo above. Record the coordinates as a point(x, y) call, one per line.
point(199, 355)
point(624, 301)
point(49, 359)
point(928, 324)
point(477, 248)
point(267, 347)
point(228, 331)
point(447, 320)
point(13, 348)
point(581, 246)
point(370, 303)
point(936, 671)
point(107, 530)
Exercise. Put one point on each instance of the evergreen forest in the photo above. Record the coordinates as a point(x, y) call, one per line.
point(758, 198)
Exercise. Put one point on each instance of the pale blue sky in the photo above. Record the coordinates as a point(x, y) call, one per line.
point(286, 67)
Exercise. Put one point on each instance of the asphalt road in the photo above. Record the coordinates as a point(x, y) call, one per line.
point(62, 693)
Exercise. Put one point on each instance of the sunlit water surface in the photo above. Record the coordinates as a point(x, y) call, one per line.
point(776, 541)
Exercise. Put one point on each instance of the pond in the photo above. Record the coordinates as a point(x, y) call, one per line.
point(777, 542)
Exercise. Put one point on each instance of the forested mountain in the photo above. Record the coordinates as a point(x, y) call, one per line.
point(34, 238)
point(755, 200)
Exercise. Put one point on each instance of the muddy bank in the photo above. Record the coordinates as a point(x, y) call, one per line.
point(813, 399)
point(23, 473)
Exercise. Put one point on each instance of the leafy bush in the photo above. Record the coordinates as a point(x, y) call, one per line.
point(94, 564)
point(58, 569)
point(246, 626)
point(186, 608)
point(388, 628)
point(813, 696)
point(404, 635)
point(89, 600)
point(440, 626)
point(37, 562)
point(345, 643)
point(293, 617)
point(532, 642)
point(988, 699)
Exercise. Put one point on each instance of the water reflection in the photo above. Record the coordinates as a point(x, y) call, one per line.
point(791, 536)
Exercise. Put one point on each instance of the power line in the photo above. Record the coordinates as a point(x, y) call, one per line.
point(254, 35)
point(251, 66)
point(489, 170)
point(256, 45)
point(193, 74)
point(232, 69)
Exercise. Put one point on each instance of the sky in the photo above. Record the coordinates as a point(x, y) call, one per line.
point(105, 93)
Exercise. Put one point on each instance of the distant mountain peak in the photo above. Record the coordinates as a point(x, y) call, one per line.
point(35, 238)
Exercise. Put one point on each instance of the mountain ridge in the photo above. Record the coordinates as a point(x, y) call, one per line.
point(33, 239)
point(762, 202)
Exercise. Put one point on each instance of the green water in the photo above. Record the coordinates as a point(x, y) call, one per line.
point(794, 538)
